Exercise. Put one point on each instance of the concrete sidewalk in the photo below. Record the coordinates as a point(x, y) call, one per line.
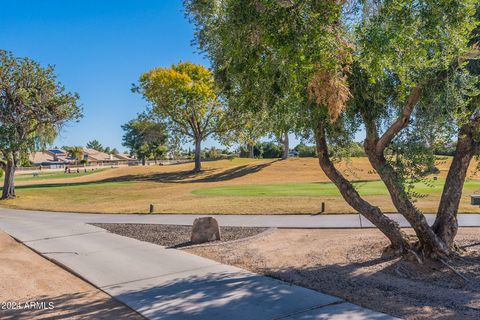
point(165, 283)
point(276, 221)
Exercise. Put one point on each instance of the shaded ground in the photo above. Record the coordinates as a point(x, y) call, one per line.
point(253, 186)
point(173, 236)
point(348, 264)
point(28, 277)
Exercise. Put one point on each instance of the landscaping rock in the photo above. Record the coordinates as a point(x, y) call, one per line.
point(205, 230)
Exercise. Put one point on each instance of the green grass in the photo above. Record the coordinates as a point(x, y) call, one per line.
point(365, 188)
point(54, 175)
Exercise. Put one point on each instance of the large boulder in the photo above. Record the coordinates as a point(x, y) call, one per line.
point(205, 230)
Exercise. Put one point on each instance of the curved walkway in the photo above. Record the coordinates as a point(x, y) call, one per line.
point(276, 221)
point(162, 283)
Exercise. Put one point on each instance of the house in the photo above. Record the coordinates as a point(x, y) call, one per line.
point(54, 158)
point(98, 157)
point(124, 157)
point(59, 158)
point(101, 158)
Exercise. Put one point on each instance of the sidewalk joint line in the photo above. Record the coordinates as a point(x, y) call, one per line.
point(320, 306)
point(64, 236)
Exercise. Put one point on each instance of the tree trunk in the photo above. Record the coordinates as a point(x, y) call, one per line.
point(388, 227)
point(446, 224)
point(143, 160)
point(286, 146)
point(250, 148)
point(198, 150)
point(430, 243)
point(8, 191)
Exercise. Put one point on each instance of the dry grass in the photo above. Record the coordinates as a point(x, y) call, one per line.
point(132, 189)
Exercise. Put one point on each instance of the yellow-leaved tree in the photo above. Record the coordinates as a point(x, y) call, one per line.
point(183, 96)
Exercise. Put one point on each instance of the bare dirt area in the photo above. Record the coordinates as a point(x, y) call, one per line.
point(174, 236)
point(349, 264)
point(32, 287)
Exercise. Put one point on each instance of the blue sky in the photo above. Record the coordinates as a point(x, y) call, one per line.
point(99, 49)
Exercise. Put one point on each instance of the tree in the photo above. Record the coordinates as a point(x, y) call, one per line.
point(377, 64)
point(184, 97)
point(305, 151)
point(245, 128)
point(76, 153)
point(33, 108)
point(114, 151)
point(145, 137)
point(96, 145)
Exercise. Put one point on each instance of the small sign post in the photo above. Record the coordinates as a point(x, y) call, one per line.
point(475, 199)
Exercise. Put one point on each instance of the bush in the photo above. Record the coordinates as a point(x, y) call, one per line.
point(268, 150)
point(354, 149)
point(213, 153)
point(1, 172)
point(306, 151)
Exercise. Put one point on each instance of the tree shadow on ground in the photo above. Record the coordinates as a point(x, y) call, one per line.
point(234, 295)
point(186, 176)
point(401, 288)
point(72, 306)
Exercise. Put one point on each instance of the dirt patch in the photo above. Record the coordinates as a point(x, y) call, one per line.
point(174, 236)
point(348, 264)
point(26, 277)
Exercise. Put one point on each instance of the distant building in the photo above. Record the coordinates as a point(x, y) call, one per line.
point(50, 158)
point(58, 158)
point(293, 154)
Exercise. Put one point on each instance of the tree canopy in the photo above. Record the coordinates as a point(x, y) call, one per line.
point(33, 108)
point(145, 137)
point(184, 97)
point(395, 67)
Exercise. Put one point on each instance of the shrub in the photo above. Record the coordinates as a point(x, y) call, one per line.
point(306, 151)
point(213, 153)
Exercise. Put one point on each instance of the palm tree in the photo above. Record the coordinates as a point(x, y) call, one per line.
point(76, 153)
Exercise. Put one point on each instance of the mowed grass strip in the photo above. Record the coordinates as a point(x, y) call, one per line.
point(318, 189)
point(38, 175)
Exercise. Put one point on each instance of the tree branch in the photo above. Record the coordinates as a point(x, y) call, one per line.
point(413, 99)
point(401, 121)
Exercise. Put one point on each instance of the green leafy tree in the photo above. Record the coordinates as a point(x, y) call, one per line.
point(96, 145)
point(33, 108)
point(245, 128)
point(378, 65)
point(305, 151)
point(184, 97)
point(145, 137)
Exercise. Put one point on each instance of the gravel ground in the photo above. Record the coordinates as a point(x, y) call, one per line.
point(173, 236)
point(348, 264)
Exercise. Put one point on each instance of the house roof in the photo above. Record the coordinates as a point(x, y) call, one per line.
point(41, 157)
point(123, 156)
point(57, 151)
point(96, 155)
